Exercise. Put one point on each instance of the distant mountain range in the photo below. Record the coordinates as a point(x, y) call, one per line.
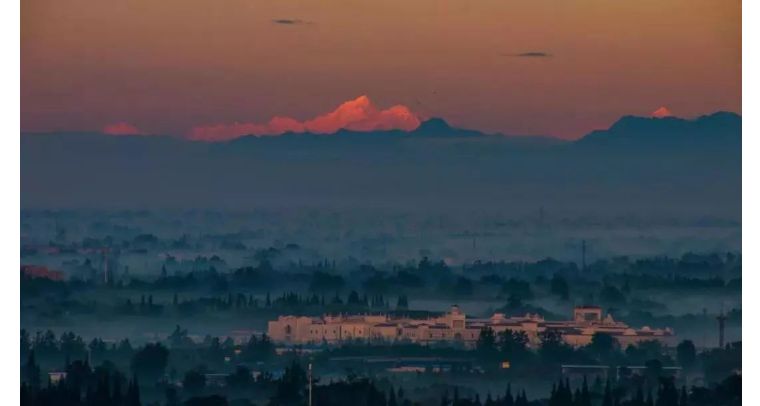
point(687, 165)
point(721, 129)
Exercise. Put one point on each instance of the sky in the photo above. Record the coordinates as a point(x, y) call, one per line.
point(207, 68)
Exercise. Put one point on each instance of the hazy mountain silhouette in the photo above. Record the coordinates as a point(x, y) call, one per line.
point(637, 165)
point(438, 127)
point(434, 127)
point(721, 129)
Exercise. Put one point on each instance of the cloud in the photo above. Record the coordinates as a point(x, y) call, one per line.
point(121, 128)
point(533, 54)
point(288, 21)
point(359, 114)
point(662, 112)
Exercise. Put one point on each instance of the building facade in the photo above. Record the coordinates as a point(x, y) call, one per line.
point(455, 327)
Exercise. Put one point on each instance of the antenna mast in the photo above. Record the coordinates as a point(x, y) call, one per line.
point(310, 384)
point(583, 255)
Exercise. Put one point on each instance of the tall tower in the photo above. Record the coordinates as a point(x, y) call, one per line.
point(104, 253)
point(721, 329)
point(583, 255)
point(310, 385)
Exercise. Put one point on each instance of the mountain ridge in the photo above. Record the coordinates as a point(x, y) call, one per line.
point(627, 127)
point(439, 167)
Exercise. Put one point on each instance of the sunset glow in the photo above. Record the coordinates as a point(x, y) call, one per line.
point(359, 114)
point(662, 112)
point(121, 128)
point(198, 67)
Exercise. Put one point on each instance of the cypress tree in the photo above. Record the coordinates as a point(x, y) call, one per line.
point(508, 399)
point(684, 400)
point(585, 394)
point(607, 401)
point(445, 399)
point(392, 397)
point(522, 400)
point(133, 393)
point(639, 399)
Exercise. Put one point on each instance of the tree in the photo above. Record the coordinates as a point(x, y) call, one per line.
point(585, 399)
point(179, 338)
point(72, 346)
point(553, 348)
point(559, 287)
point(638, 400)
point(686, 354)
point(611, 295)
point(26, 343)
point(653, 371)
point(353, 298)
point(98, 350)
point(607, 399)
point(149, 363)
point(194, 382)
point(172, 399)
point(603, 345)
point(486, 344)
point(402, 303)
point(508, 399)
point(133, 393)
point(45, 345)
point(30, 373)
point(667, 394)
point(684, 398)
point(512, 343)
point(392, 397)
point(241, 379)
point(213, 400)
point(291, 387)
point(522, 399)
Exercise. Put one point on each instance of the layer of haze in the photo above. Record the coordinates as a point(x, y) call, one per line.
point(539, 67)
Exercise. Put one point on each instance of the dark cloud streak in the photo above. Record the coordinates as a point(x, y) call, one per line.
point(534, 54)
point(289, 21)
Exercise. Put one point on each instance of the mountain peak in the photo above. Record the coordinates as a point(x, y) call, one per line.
point(434, 124)
point(662, 112)
point(438, 127)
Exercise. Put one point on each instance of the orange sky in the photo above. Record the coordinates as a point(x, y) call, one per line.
point(173, 65)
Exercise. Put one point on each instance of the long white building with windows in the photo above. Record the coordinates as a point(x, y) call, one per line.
point(454, 327)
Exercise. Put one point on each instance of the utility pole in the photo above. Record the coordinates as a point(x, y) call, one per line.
point(310, 384)
point(704, 334)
